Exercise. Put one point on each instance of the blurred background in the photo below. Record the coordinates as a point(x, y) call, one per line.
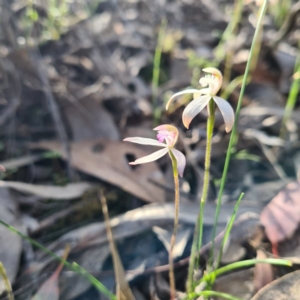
point(78, 76)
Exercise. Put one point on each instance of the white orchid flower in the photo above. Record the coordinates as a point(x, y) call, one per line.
point(169, 135)
point(202, 98)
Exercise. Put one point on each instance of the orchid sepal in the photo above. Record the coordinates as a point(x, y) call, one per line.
point(151, 157)
point(226, 111)
point(193, 108)
point(144, 141)
point(181, 160)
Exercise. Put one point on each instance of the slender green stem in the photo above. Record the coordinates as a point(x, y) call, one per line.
point(210, 128)
point(237, 13)
point(232, 86)
point(74, 266)
point(230, 30)
point(233, 133)
point(176, 218)
point(213, 293)
point(250, 263)
point(228, 230)
point(257, 45)
point(189, 285)
point(197, 242)
point(209, 278)
point(292, 98)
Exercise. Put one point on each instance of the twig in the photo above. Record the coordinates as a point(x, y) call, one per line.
point(123, 289)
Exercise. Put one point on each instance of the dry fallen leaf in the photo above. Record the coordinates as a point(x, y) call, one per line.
point(50, 288)
point(11, 244)
point(159, 287)
point(70, 191)
point(88, 119)
point(281, 216)
point(92, 259)
point(284, 288)
point(108, 161)
point(165, 235)
point(21, 161)
point(156, 214)
point(263, 273)
point(89, 243)
point(238, 284)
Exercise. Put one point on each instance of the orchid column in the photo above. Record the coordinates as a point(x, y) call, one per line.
point(169, 135)
point(205, 97)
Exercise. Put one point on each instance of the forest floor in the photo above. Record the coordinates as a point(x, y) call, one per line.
point(77, 78)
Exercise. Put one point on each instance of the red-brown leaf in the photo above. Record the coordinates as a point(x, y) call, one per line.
point(281, 216)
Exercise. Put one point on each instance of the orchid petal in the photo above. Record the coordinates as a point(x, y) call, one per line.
point(144, 141)
point(193, 109)
point(227, 112)
point(188, 91)
point(152, 157)
point(166, 127)
point(181, 161)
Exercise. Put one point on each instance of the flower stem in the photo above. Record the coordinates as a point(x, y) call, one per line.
point(176, 217)
point(198, 233)
point(233, 132)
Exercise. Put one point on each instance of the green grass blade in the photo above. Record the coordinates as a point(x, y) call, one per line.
point(292, 98)
point(232, 86)
point(229, 31)
point(228, 230)
point(74, 267)
point(233, 133)
point(248, 263)
point(213, 293)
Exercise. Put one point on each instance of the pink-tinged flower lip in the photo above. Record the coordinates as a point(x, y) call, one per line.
point(163, 135)
point(168, 133)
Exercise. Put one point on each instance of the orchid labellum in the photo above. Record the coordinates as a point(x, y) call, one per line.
point(167, 136)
